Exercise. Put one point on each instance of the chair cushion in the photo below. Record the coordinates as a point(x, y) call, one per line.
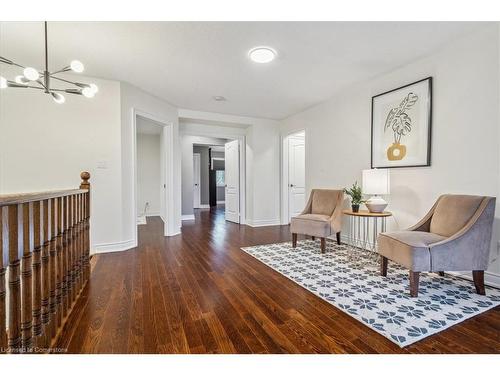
point(324, 201)
point(452, 212)
point(408, 248)
point(312, 225)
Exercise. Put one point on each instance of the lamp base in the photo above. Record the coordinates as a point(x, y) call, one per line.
point(376, 204)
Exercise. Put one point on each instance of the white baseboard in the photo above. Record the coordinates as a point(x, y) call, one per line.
point(204, 206)
point(153, 214)
point(113, 247)
point(187, 217)
point(263, 223)
point(221, 202)
point(490, 278)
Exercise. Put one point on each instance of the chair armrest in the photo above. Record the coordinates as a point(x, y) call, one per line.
point(336, 217)
point(424, 224)
point(469, 248)
point(308, 208)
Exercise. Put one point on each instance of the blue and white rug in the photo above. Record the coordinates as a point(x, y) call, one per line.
point(349, 279)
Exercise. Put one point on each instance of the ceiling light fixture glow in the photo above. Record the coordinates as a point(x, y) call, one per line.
point(262, 55)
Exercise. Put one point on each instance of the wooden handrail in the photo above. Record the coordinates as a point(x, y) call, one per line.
point(9, 199)
point(44, 250)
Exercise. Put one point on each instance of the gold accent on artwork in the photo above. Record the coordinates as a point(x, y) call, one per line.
point(396, 151)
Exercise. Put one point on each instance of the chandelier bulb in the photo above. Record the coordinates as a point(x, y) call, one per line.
point(94, 88)
point(3, 82)
point(76, 66)
point(88, 92)
point(31, 74)
point(58, 98)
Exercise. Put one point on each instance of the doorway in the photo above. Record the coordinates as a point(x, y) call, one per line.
point(165, 172)
point(220, 178)
point(293, 175)
point(149, 170)
point(210, 185)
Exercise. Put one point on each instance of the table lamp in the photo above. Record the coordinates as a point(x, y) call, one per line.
point(375, 183)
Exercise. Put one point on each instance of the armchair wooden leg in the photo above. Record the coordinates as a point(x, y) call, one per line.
point(478, 277)
point(294, 240)
point(414, 277)
point(338, 238)
point(383, 265)
point(323, 244)
point(313, 238)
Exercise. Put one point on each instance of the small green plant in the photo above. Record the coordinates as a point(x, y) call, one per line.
point(355, 193)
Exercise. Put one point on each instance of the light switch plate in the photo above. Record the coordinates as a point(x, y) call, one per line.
point(102, 164)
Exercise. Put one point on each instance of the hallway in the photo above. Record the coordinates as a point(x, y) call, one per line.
point(199, 293)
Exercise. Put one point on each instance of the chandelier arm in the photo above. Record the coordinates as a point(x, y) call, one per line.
point(78, 84)
point(65, 69)
point(14, 84)
point(11, 63)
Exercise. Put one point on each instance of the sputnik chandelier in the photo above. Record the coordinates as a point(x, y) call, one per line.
point(41, 80)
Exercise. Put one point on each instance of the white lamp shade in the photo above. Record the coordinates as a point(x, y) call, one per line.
point(376, 181)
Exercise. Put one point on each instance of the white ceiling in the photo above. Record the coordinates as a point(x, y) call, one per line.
point(187, 63)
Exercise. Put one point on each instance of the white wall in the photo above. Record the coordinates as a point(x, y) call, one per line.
point(465, 133)
point(45, 146)
point(148, 173)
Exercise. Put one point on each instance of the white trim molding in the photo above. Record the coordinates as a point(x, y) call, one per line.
point(113, 247)
point(204, 206)
point(221, 202)
point(490, 278)
point(263, 223)
point(187, 217)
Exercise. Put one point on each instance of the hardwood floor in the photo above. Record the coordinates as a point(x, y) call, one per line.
point(199, 293)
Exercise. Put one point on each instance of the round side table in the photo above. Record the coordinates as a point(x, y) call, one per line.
point(364, 226)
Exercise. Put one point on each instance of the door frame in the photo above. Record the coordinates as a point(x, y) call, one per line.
point(168, 158)
point(285, 202)
point(197, 155)
point(242, 150)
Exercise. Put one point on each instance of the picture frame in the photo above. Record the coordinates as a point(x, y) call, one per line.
point(401, 126)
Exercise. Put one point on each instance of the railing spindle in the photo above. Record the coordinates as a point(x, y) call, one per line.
point(53, 268)
point(14, 331)
point(65, 281)
point(27, 275)
point(37, 272)
point(59, 266)
point(45, 273)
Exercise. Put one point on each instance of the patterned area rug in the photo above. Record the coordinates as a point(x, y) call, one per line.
point(349, 278)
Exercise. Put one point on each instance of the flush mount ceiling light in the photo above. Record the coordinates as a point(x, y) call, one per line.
point(41, 80)
point(262, 55)
point(219, 98)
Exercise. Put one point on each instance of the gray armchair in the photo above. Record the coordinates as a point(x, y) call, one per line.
point(321, 217)
point(454, 236)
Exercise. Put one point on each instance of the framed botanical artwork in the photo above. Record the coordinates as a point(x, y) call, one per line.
point(401, 126)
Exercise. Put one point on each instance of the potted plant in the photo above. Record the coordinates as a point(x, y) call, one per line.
point(356, 196)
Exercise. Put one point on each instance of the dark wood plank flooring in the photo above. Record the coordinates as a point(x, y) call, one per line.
point(199, 293)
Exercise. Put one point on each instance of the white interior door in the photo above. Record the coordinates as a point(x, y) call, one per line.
point(232, 176)
point(296, 173)
point(196, 181)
